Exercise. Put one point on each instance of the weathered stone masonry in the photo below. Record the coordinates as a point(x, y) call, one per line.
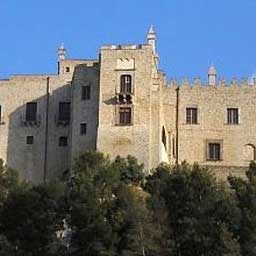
point(121, 104)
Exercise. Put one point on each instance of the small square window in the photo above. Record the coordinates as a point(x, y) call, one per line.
point(125, 115)
point(86, 92)
point(83, 129)
point(30, 140)
point(191, 116)
point(214, 151)
point(67, 69)
point(232, 116)
point(63, 141)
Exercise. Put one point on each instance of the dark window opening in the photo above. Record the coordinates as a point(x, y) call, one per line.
point(83, 129)
point(0, 114)
point(64, 111)
point(233, 116)
point(30, 140)
point(126, 84)
point(191, 116)
point(173, 147)
point(164, 137)
point(63, 141)
point(214, 151)
point(31, 111)
point(125, 116)
point(67, 69)
point(86, 92)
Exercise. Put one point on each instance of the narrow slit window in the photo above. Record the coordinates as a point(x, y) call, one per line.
point(173, 147)
point(164, 138)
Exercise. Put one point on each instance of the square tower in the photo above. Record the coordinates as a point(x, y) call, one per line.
point(126, 123)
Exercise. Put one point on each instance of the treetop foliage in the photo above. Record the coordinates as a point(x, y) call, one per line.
point(108, 207)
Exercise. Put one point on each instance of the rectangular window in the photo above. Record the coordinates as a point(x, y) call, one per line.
point(126, 84)
point(31, 111)
point(86, 92)
point(63, 141)
point(214, 151)
point(30, 140)
point(64, 111)
point(125, 115)
point(191, 116)
point(232, 116)
point(83, 129)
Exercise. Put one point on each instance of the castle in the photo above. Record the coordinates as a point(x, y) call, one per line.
point(121, 104)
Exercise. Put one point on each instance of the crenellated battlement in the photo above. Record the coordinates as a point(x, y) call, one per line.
point(220, 83)
point(125, 47)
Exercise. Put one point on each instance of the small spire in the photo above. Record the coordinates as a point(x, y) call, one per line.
point(62, 52)
point(62, 46)
point(212, 74)
point(151, 30)
point(212, 70)
point(152, 38)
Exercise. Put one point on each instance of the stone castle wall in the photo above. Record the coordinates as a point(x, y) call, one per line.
point(29, 160)
point(158, 130)
point(212, 102)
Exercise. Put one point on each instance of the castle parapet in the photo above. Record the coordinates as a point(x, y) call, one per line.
point(221, 83)
point(125, 47)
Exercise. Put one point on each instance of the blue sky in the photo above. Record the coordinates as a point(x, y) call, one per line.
point(192, 34)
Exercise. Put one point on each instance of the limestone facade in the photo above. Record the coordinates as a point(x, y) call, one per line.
point(121, 104)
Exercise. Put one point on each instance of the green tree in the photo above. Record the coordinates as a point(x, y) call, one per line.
point(155, 186)
point(202, 214)
point(31, 219)
point(8, 181)
point(245, 191)
point(109, 214)
point(5, 247)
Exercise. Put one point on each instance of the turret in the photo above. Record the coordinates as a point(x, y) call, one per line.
point(62, 53)
point(212, 76)
point(152, 38)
